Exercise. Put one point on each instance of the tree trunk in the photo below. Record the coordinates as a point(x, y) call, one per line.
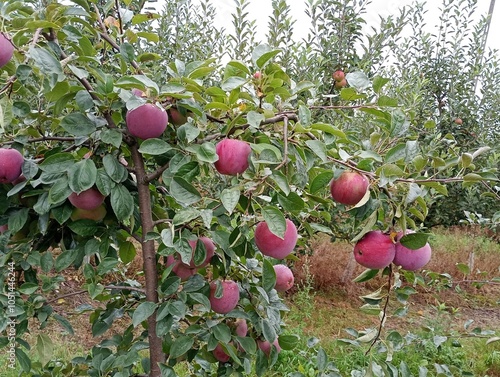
point(149, 260)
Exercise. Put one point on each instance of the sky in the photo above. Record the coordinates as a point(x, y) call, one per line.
point(261, 9)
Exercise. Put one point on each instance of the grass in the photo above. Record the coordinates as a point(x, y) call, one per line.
point(325, 303)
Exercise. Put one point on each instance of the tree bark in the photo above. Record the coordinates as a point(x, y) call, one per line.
point(149, 260)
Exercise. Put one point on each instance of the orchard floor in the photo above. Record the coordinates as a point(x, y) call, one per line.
point(325, 301)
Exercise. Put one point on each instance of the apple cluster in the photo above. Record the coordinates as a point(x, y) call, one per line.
point(339, 78)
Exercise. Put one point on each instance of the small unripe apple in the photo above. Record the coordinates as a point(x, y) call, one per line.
point(210, 250)
point(375, 250)
point(265, 346)
point(11, 164)
point(6, 50)
point(349, 188)
point(272, 245)
point(257, 75)
point(87, 200)
point(233, 156)
point(96, 214)
point(340, 84)
point(338, 75)
point(458, 121)
point(220, 354)
point(182, 270)
point(147, 121)
point(409, 259)
point(284, 278)
point(228, 300)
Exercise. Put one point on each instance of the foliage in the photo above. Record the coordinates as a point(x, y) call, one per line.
point(65, 96)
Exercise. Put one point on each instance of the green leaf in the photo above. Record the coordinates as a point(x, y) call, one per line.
point(17, 219)
point(45, 61)
point(358, 80)
point(440, 188)
point(473, 177)
point(57, 163)
point(378, 83)
point(23, 360)
point(262, 54)
point(185, 215)
point(84, 227)
point(320, 181)
point(116, 171)
point(127, 51)
point(230, 198)
point(288, 342)
point(111, 136)
point(365, 276)
point(181, 345)
point(122, 202)
point(154, 147)
point(143, 312)
point(64, 323)
point(183, 191)
point(350, 94)
point(126, 251)
point(232, 83)
point(319, 149)
point(292, 202)
point(82, 175)
point(65, 259)
point(268, 276)
point(414, 241)
point(78, 124)
point(45, 348)
point(28, 288)
point(275, 220)
point(206, 153)
point(222, 332)
point(329, 129)
point(268, 330)
point(396, 153)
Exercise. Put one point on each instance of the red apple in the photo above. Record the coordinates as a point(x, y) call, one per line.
point(138, 92)
point(233, 156)
point(96, 214)
point(210, 250)
point(273, 246)
point(182, 270)
point(265, 346)
point(240, 327)
point(375, 250)
point(458, 121)
point(228, 300)
point(409, 259)
point(340, 84)
point(3, 228)
point(220, 354)
point(284, 278)
point(88, 199)
point(147, 121)
point(338, 75)
point(176, 117)
point(6, 50)
point(257, 75)
point(349, 188)
point(11, 164)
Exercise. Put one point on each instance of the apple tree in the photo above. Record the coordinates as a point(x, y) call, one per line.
point(212, 173)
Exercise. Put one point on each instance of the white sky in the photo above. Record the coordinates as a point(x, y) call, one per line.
point(261, 9)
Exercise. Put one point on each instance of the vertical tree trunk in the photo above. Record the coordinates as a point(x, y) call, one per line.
point(149, 260)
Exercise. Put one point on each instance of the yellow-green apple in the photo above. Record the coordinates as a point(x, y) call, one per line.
point(409, 259)
point(349, 188)
point(96, 214)
point(6, 50)
point(284, 278)
point(11, 164)
point(375, 250)
point(233, 156)
point(147, 121)
point(273, 246)
point(87, 200)
point(229, 298)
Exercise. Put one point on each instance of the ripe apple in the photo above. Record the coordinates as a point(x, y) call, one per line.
point(88, 199)
point(228, 300)
point(11, 164)
point(240, 327)
point(220, 354)
point(273, 246)
point(176, 117)
point(3, 228)
point(338, 75)
point(349, 188)
point(265, 346)
point(458, 121)
point(147, 121)
point(96, 214)
point(340, 84)
point(233, 156)
point(409, 259)
point(182, 270)
point(210, 250)
point(6, 50)
point(284, 278)
point(375, 250)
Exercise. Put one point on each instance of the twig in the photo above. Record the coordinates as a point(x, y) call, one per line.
point(105, 287)
point(384, 312)
point(117, 3)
